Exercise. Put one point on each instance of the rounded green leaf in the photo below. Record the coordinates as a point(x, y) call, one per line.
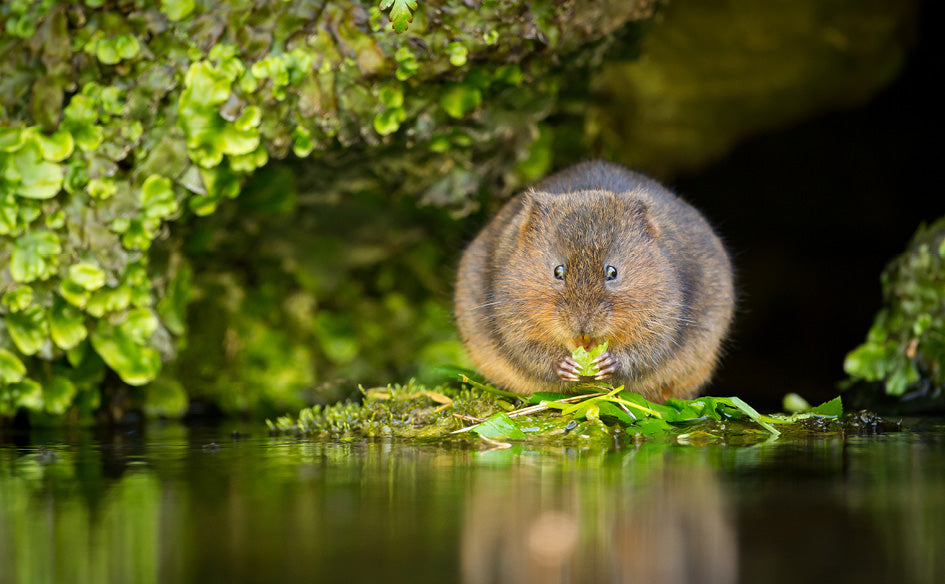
point(27, 329)
point(34, 256)
point(57, 147)
point(27, 394)
point(18, 298)
point(12, 370)
point(166, 397)
point(11, 139)
point(460, 99)
point(139, 325)
point(107, 52)
point(176, 10)
point(126, 46)
point(66, 325)
point(136, 364)
point(39, 178)
point(58, 393)
point(87, 275)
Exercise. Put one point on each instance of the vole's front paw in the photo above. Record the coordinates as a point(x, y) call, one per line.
point(567, 369)
point(607, 364)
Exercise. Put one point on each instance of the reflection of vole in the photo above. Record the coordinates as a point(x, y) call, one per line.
point(596, 253)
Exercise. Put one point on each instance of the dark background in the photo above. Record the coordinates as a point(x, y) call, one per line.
point(811, 215)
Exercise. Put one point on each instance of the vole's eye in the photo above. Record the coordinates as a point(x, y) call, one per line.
point(611, 272)
point(559, 272)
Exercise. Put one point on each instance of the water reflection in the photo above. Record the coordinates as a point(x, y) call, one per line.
point(168, 507)
point(673, 528)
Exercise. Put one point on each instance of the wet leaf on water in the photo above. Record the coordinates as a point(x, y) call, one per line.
point(499, 426)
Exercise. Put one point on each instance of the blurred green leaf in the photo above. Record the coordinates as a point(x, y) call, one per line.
point(39, 178)
point(28, 329)
point(166, 397)
point(58, 393)
point(12, 370)
point(34, 256)
point(18, 298)
point(135, 363)
point(87, 275)
point(66, 325)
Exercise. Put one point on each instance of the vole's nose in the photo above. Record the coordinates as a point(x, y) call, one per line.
point(584, 340)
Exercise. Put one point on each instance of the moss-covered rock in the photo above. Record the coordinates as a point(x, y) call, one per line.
point(122, 122)
point(904, 352)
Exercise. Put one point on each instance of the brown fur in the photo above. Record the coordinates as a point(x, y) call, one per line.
point(664, 316)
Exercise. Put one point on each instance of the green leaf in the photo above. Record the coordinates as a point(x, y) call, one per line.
point(12, 370)
point(66, 325)
point(173, 307)
point(73, 293)
point(388, 122)
point(127, 46)
point(135, 363)
point(498, 427)
point(401, 12)
point(794, 403)
point(585, 359)
point(165, 397)
point(27, 394)
point(39, 178)
point(460, 99)
point(458, 53)
point(18, 298)
point(753, 414)
point(177, 10)
point(108, 300)
point(87, 275)
point(34, 256)
point(27, 329)
point(139, 325)
point(832, 408)
point(57, 147)
point(11, 139)
point(58, 393)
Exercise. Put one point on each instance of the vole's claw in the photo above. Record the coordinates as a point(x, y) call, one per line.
point(567, 369)
point(607, 364)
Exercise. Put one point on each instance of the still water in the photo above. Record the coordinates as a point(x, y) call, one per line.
point(177, 504)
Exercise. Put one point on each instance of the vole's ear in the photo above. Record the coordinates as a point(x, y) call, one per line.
point(530, 213)
point(641, 215)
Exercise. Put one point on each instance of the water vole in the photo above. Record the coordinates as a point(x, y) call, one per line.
point(596, 253)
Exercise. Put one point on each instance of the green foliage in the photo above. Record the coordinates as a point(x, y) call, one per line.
point(907, 340)
point(121, 127)
point(597, 413)
point(401, 12)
